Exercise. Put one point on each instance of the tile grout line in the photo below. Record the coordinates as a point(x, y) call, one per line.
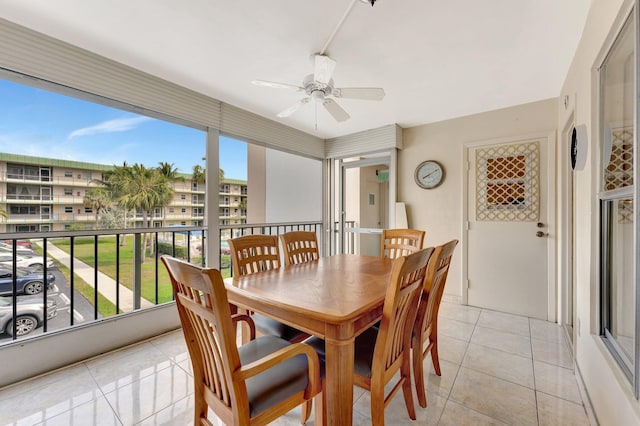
point(533, 367)
point(115, 413)
point(458, 372)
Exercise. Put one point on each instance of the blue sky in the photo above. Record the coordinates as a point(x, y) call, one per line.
point(45, 124)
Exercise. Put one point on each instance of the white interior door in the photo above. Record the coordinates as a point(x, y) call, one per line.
point(509, 227)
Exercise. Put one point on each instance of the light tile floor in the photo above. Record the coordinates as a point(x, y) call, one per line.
point(497, 369)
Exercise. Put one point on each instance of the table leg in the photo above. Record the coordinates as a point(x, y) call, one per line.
point(339, 382)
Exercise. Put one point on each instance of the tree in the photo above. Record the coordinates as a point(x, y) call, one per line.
point(3, 212)
point(99, 200)
point(171, 173)
point(199, 174)
point(143, 189)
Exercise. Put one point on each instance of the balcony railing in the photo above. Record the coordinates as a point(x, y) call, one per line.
point(234, 231)
point(103, 274)
point(97, 275)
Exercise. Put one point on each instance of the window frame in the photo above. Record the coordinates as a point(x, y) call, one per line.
point(606, 201)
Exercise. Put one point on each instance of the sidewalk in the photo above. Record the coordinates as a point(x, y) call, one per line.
point(106, 285)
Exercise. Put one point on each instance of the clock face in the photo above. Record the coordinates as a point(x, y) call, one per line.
point(429, 174)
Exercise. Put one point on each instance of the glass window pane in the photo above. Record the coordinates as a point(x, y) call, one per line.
point(618, 96)
point(620, 276)
point(618, 120)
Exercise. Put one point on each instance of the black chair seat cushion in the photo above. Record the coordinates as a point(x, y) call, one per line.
point(277, 383)
point(363, 356)
point(266, 325)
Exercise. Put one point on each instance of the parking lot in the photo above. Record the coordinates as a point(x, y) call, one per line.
point(60, 292)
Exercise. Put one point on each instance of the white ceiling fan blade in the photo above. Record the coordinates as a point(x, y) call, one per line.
point(323, 70)
point(335, 110)
point(365, 93)
point(293, 108)
point(277, 85)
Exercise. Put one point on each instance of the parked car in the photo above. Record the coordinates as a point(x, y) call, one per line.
point(29, 314)
point(28, 281)
point(20, 243)
point(22, 251)
point(35, 262)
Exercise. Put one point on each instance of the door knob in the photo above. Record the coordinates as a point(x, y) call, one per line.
point(540, 234)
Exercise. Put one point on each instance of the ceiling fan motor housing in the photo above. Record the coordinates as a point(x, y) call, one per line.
point(316, 90)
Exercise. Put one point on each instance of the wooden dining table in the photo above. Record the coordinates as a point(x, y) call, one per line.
point(335, 298)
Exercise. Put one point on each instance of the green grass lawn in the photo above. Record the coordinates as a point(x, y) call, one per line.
point(107, 251)
point(105, 307)
point(84, 251)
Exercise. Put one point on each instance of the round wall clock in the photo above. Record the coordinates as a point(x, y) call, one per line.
point(429, 174)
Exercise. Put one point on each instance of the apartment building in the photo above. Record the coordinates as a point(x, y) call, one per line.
point(45, 194)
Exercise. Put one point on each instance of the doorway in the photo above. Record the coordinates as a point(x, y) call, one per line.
point(362, 199)
point(509, 261)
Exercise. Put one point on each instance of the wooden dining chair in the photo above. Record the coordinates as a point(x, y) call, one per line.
point(400, 242)
point(381, 352)
point(252, 254)
point(299, 247)
point(249, 385)
point(426, 327)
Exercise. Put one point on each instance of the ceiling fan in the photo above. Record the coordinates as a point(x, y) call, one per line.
point(319, 88)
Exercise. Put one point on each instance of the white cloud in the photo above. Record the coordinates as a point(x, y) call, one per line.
point(109, 126)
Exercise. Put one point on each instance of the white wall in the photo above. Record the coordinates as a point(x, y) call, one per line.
point(256, 183)
point(293, 187)
point(439, 211)
point(610, 393)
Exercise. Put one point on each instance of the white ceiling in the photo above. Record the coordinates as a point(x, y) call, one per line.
point(436, 59)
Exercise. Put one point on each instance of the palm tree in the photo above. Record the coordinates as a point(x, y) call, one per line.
point(199, 174)
point(143, 189)
point(98, 199)
point(171, 173)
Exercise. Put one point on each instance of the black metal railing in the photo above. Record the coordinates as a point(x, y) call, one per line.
point(97, 274)
point(234, 231)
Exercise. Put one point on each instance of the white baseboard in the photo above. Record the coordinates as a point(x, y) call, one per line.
point(593, 419)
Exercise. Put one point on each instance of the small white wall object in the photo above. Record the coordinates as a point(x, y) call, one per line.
point(401, 216)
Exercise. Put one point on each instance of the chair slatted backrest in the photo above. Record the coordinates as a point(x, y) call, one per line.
point(400, 242)
point(205, 315)
point(251, 254)
point(401, 300)
point(437, 273)
point(299, 247)
point(426, 324)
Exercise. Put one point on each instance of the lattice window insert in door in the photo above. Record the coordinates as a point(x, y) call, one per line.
point(619, 171)
point(507, 183)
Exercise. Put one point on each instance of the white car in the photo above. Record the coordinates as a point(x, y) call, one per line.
point(35, 263)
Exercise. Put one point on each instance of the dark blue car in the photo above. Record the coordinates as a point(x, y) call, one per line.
point(28, 281)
